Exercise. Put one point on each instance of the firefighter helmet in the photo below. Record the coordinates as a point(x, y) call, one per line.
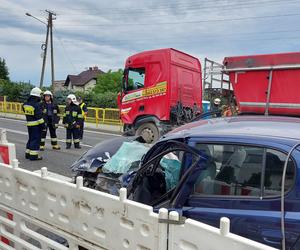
point(217, 101)
point(47, 92)
point(72, 98)
point(36, 92)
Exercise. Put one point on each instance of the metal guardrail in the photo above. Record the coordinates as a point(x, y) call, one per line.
point(95, 115)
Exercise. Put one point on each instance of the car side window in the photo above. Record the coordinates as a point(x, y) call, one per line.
point(275, 161)
point(161, 176)
point(236, 170)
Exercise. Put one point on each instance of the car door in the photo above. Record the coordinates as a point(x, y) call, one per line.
point(241, 182)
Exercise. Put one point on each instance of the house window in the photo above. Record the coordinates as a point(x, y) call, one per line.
point(236, 170)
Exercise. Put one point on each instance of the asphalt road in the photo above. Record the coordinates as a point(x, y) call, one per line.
point(57, 161)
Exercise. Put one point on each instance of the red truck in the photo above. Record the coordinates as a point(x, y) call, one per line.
point(163, 88)
point(266, 84)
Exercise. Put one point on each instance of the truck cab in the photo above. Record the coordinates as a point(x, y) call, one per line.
point(161, 88)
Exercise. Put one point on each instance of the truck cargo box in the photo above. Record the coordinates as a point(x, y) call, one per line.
point(266, 84)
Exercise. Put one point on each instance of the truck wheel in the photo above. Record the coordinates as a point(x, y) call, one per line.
point(148, 131)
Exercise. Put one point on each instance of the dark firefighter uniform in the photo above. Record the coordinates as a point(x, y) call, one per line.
point(51, 118)
point(84, 111)
point(72, 120)
point(35, 123)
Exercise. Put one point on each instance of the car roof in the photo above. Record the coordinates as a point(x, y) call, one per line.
point(275, 127)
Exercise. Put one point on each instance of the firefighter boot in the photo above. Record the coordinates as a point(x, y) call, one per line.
point(43, 140)
point(77, 145)
point(34, 156)
point(38, 158)
point(27, 155)
point(54, 144)
point(56, 147)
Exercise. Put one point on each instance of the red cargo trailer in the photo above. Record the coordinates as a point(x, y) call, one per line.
point(266, 84)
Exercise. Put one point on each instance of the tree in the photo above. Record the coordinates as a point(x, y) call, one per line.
point(24, 91)
point(109, 82)
point(4, 75)
point(15, 91)
point(61, 96)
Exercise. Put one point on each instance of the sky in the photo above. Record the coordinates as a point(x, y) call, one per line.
point(104, 33)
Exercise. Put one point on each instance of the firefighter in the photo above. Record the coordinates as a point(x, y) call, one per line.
point(216, 107)
point(226, 111)
point(72, 120)
point(35, 124)
point(51, 118)
point(84, 111)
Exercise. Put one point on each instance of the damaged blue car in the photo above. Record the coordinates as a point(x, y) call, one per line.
point(245, 168)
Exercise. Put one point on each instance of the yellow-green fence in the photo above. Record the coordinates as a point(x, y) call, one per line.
point(95, 115)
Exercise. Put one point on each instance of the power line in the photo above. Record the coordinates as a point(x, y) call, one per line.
point(187, 41)
point(168, 38)
point(190, 7)
point(184, 22)
point(186, 5)
point(193, 8)
point(149, 12)
point(65, 52)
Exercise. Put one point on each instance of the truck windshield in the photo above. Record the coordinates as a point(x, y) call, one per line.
point(135, 78)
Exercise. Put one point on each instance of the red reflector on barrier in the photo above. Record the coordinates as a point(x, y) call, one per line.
point(4, 158)
point(4, 154)
point(4, 240)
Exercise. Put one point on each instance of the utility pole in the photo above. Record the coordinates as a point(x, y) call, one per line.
point(44, 48)
point(49, 24)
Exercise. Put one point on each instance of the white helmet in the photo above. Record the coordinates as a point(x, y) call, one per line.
point(72, 98)
point(36, 92)
point(217, 101)
point(47, 92)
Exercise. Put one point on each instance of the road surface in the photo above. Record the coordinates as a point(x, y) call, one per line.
point(57, 161)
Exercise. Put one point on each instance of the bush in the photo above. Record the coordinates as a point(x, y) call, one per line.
point(61, 96)
point(92, 99)
point(19, 92)
point(104, 100)
point(15, 92)
point(109, 82)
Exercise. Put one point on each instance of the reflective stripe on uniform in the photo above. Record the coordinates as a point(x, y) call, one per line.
point(82, 111)
point(27, 151)
point(53, 139)
point(80, 116)
point(76, 140)
point(41, 121)
point(74, 113)
point(34, 152)
point(35, 123)
point(69, 140)
point(28, 110)
point(67, 112)
point(43, 140)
